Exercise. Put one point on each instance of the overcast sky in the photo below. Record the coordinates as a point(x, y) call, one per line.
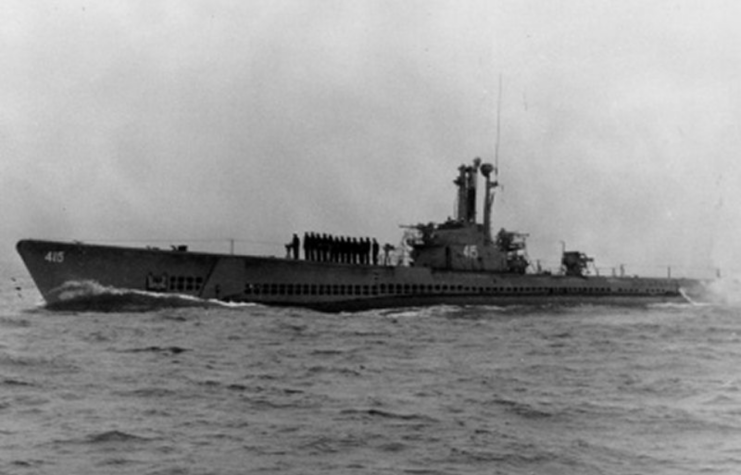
point(199, 120)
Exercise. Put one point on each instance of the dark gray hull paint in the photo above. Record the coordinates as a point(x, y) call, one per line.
point(319, 285)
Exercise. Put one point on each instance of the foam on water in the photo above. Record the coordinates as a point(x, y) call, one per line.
point(92, 296)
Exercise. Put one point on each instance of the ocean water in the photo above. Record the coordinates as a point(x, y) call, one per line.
point(198, 388)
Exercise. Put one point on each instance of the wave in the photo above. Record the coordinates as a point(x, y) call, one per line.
point(522, 409)
point(690, 303)
point(488, 311)
point(113, 436)
point(90, 296)
point(171, 350)
point(388, 415)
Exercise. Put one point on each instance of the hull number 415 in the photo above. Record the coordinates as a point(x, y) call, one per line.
point(54, 256)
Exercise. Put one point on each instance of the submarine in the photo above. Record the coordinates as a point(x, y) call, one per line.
point(455, 262)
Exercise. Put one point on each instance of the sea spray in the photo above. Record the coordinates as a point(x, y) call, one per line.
point(724, 291)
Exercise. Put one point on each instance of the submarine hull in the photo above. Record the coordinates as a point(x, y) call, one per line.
point(58, 268)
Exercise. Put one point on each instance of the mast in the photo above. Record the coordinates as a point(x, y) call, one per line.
point(496, 144)
point(486, 170)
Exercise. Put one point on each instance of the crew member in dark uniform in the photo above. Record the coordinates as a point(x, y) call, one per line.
point(295, 245)
point(332, 249)
point(366, 250)
point(342, 249)
point(375, 251)
point(353, 250)
point(325, 248)
point(312, 244)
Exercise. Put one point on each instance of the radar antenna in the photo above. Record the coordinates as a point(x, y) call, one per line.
point(496, 145)
point(487, 170)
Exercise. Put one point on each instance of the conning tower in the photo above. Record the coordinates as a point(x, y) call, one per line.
point(463, 244)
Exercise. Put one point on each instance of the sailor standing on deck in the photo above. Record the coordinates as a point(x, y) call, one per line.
point(342, 249)
point(364, 250)
point(332, 249)
point(325, 248)
point(295, 245)
point(356, 251)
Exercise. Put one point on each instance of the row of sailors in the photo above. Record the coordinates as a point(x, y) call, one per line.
point(327, 248)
